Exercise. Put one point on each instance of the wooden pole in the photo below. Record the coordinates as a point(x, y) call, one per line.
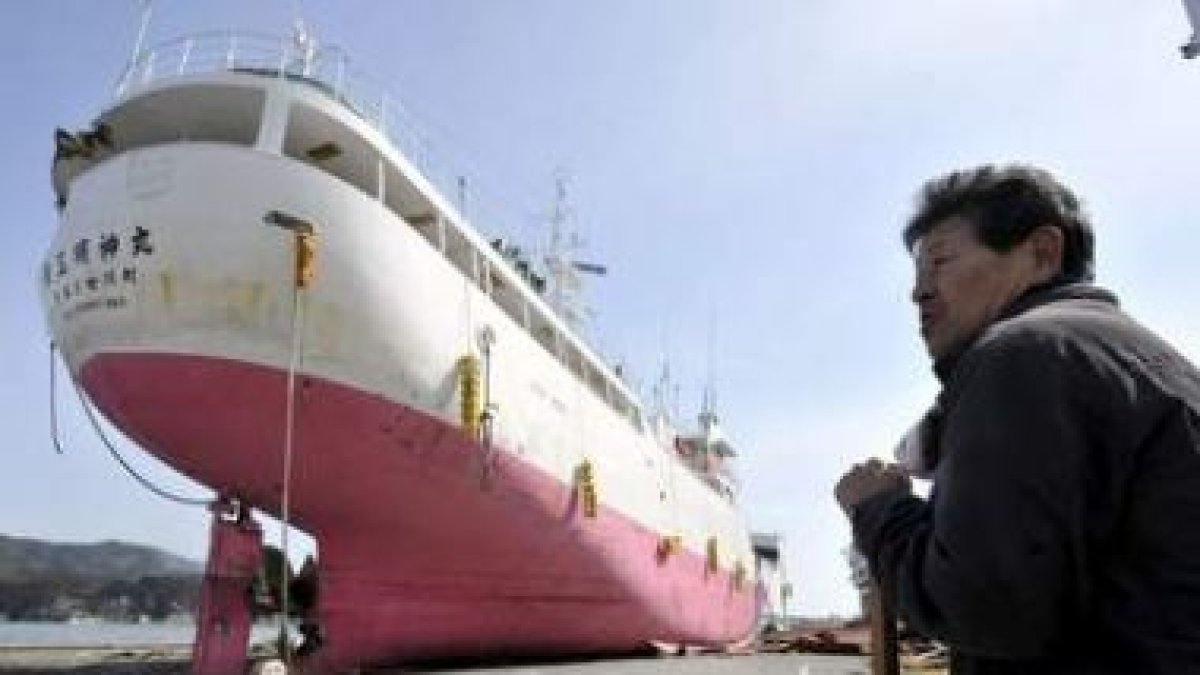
point(885, 656)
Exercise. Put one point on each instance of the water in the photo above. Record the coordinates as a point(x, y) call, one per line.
point(98, 634)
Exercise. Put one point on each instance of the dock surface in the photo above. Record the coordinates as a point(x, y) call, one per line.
point(173, 660)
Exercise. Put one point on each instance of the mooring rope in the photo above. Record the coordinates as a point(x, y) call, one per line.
point(304, 252)
point(54, 403)
point(112, 450)
point(288, 442)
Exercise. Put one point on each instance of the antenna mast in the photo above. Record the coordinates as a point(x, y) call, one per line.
point(708, 404)
point(560, 273)
point(563, 271)
point(147, 10)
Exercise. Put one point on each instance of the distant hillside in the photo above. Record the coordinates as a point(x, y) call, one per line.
point(24, 559)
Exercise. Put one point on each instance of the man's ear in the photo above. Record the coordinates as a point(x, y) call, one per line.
point(1047, 245)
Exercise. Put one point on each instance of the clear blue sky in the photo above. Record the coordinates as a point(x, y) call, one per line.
point(748, 161)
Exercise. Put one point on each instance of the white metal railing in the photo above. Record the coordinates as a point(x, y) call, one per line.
point(327, 68)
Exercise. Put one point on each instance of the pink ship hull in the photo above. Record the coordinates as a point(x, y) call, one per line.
point(418, 558)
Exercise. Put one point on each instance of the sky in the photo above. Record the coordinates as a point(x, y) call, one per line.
point(742, 167)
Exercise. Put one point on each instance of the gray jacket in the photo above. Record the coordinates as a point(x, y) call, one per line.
point(1062, 534)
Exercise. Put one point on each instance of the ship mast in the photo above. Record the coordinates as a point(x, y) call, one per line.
point(564, 273)
point(708, 402)
point(139, 41)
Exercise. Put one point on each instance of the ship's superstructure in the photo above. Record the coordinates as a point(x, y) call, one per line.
point(476, 478)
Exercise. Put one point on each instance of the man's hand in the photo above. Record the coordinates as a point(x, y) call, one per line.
point(864, 481)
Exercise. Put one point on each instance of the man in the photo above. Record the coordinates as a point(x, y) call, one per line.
point(1062, 533)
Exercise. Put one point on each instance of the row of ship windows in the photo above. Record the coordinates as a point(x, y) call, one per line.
point(234, 114)
point(347, 157)
point(504, 290)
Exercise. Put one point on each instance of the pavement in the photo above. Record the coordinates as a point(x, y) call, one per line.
point(752, 664)
point(168, 660)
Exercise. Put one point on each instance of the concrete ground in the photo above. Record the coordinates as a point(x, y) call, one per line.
point(134, 660)
point(756, 664)
point(174, 661)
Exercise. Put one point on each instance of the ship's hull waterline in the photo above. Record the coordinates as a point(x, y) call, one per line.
point(425, 550)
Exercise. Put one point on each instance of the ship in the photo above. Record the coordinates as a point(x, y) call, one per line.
point(258, 280)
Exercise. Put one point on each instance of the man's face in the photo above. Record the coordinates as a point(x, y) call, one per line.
point(962, 285)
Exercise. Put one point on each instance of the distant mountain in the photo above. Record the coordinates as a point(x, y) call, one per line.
point(23, 559)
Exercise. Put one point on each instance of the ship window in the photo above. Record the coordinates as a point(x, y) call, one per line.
point(627, 410)
point(402, 197)
point(573, 360)
point(431, 228)
point(462, 254)
point(635, 417)
point(597, 382)
point(198, 112)
point(544, 333)
point(508, 297)
point(323, 152)
point(326, 143)
point(620, 405)
point(488, 281)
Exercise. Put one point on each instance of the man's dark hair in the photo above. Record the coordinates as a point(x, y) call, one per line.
point(1005, 204)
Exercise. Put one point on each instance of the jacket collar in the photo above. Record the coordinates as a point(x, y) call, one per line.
point(1052, 291)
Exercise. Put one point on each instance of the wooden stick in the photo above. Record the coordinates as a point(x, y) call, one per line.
point(885, 656)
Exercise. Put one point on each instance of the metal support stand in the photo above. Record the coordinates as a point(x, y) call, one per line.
point(225, 614)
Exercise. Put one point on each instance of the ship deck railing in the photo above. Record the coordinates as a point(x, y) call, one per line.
point(326, 68)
